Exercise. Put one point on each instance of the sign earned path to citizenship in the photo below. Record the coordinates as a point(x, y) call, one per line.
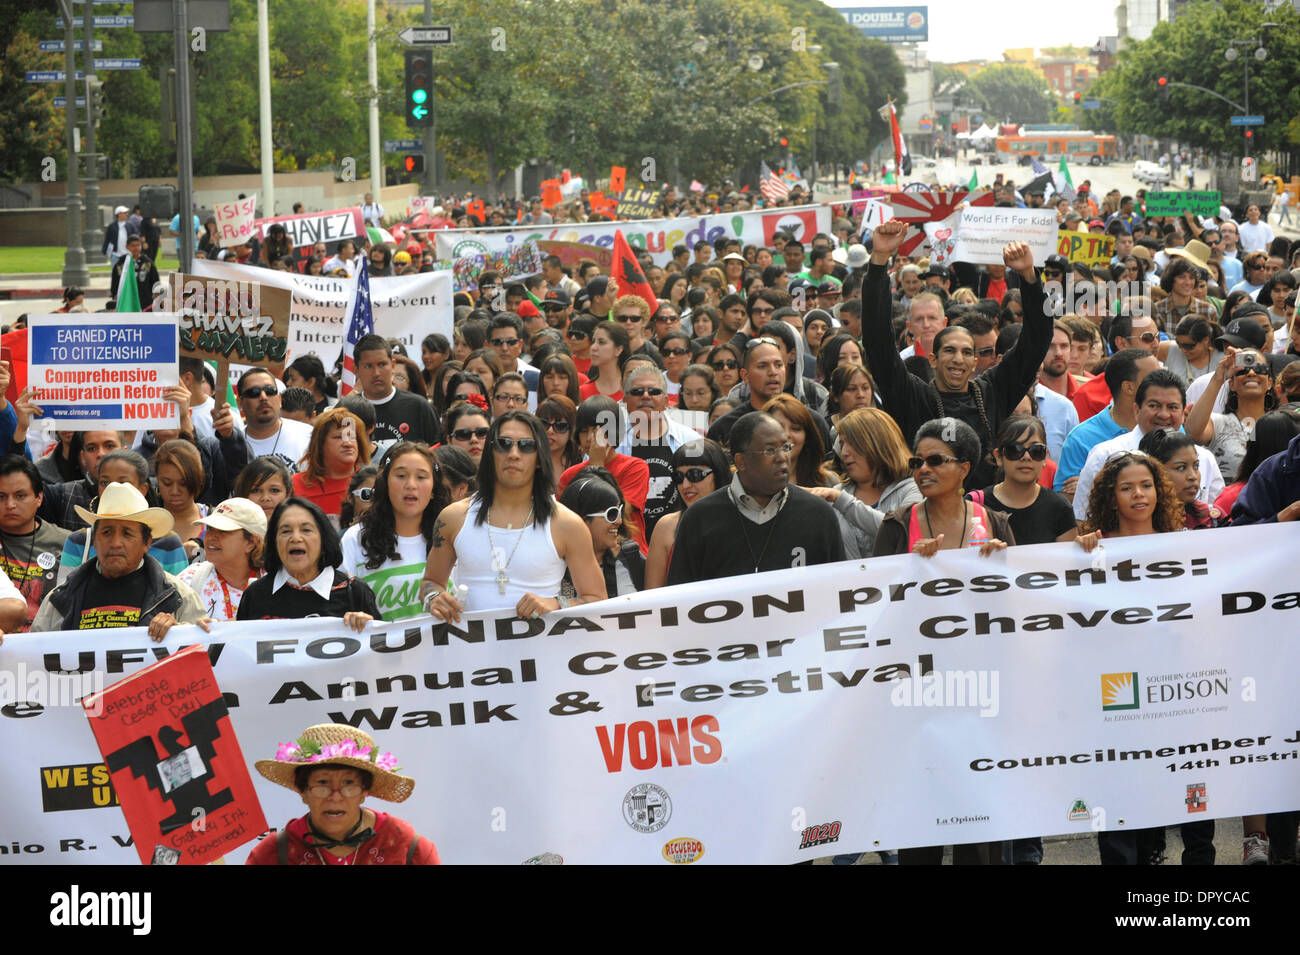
point(890, 24)
point(89, 375)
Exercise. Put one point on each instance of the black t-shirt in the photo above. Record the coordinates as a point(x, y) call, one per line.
point(404, 417)
point(261, 602)
point(32, 561)
point(115, 602)
point(1042, 522)
point(662, 495)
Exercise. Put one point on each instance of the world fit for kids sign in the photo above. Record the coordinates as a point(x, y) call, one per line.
point(89, 372)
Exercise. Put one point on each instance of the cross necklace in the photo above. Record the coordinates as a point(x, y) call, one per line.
point(502, 578)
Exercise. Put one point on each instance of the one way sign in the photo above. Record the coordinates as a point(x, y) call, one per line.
point(425, 36)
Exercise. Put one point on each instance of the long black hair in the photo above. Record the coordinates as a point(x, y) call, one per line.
point(543, 476)
point(379, 523)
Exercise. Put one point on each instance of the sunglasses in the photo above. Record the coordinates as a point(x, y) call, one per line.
point(629, 318)
point(985, 352)
point(675, 352)
point(258, 391)
point(762, 311)
point(931, 461)
point(1187, 346)
point(506, 445)
point(1051, 272)
point(641, 392)
point(691, 475)
point(366, 494)
point(464, 434)
point(729, 364)
point(763, 340)
point(1014, 452)
point(559, 427)
point(574, 334)
point(1259, 370)
point(504, 342)
point(612, 515)
point(1148, 337)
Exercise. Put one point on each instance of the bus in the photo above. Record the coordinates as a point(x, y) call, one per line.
point(1077, 145)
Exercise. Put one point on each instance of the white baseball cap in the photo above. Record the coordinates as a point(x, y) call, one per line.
point(237, 514)
point(119, 210)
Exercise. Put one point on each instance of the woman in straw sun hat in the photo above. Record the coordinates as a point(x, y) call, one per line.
point(333, 767)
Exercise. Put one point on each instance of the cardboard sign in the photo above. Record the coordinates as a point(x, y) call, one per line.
point(307, 229)
point(1176, 203)
point(175, 763)
point(602, 204)
point(983, 231)
point(551, 195)
point(89, 374)
point(243, 323)
point(1086, 247)
point(478, 210)
point(236, 221)
point(637, 204)
point(617, 178)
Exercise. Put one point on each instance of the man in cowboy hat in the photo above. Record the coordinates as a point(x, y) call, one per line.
point(122, 586)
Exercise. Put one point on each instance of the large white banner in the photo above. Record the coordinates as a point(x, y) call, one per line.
point(406, 307)
point(765, 719)
point(656, 236)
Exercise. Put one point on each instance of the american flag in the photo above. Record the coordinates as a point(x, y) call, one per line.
point(361, 322)
point(772, 186)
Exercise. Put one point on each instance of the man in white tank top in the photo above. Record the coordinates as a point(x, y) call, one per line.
point(508, 545)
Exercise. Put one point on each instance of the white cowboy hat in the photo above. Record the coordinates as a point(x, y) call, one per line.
point(122, 502)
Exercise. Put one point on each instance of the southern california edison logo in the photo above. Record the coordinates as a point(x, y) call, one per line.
point(647, 807)
point(1119, 691)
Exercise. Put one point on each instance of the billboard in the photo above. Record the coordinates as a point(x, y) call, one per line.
point(890, 24)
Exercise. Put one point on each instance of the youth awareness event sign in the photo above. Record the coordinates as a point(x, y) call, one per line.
point(761, 719)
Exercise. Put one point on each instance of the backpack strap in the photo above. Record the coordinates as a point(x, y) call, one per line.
point(282, 847)
point(410, 852)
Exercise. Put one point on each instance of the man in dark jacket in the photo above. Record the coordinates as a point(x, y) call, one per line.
point(760, 521)
point(1272, 494)
point(122, 586)
point(141, 266)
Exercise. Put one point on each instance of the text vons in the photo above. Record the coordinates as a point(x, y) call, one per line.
point(646, 745)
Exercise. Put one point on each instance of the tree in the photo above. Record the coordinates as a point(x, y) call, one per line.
point(1012, 93)
point(31, 129)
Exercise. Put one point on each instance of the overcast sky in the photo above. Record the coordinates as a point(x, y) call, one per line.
point(971, 30)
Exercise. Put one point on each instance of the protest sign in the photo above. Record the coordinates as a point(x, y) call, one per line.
point(942, 236)
point(571, 253)
point(244, 323)
point(637, 204)
point(617, 178)
point(175, 764)
point(602, 204)
point(1198, 203)
point(89, 374)
point(514, 264)
point(1086, 247)
point(406, 307)
point(983, 232)
point(551, 195)
point(236, 221)
point(308, 228)
point(1001, 693)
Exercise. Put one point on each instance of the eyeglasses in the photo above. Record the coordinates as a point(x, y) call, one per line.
point(467, 396)
point(985, 352)
point(761, 311)
point(347, 790)
point(728, 364)
point(641, 392)
point(504, 342)
point(259, 390)
point(931, 461)
point(464, 434)
point(1014, 452)
point(366, 494)
point(574, 334)
point(506, 445)
point(783, 450)
point(693, 475)
point(634, 317)
point(675, 352)
point(612, 515)
point(511, 399)
point(558, 426)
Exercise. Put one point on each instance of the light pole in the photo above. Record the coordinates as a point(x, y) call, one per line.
point(1261, 54)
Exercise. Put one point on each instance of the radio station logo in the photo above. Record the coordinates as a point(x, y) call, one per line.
point(1119, 691)
point(1079, 811)
point(827, 832)
point(647, 807)
point(683, 851)
point(1195, 800)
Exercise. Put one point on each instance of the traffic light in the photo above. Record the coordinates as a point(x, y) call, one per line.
point(1162, 86)
point(834, 85)
point(419, 86)
point(1077, 97)
point(95, 106)
point(784, 142)
point(413, 164)
point(954, 127)
point(1250, 134)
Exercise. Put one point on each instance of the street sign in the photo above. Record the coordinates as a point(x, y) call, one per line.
point(61, 102)
point(117, 63)
point(926, 124)
point(403, 145)
point(1247, 121)
point(100, 22)
point(56, 46)
point(50, 76)
point(425, 36)
point(1092, 104)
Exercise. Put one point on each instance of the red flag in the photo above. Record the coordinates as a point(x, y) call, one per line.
point(626, 272)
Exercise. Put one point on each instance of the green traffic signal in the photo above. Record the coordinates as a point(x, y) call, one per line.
point(419, 96)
